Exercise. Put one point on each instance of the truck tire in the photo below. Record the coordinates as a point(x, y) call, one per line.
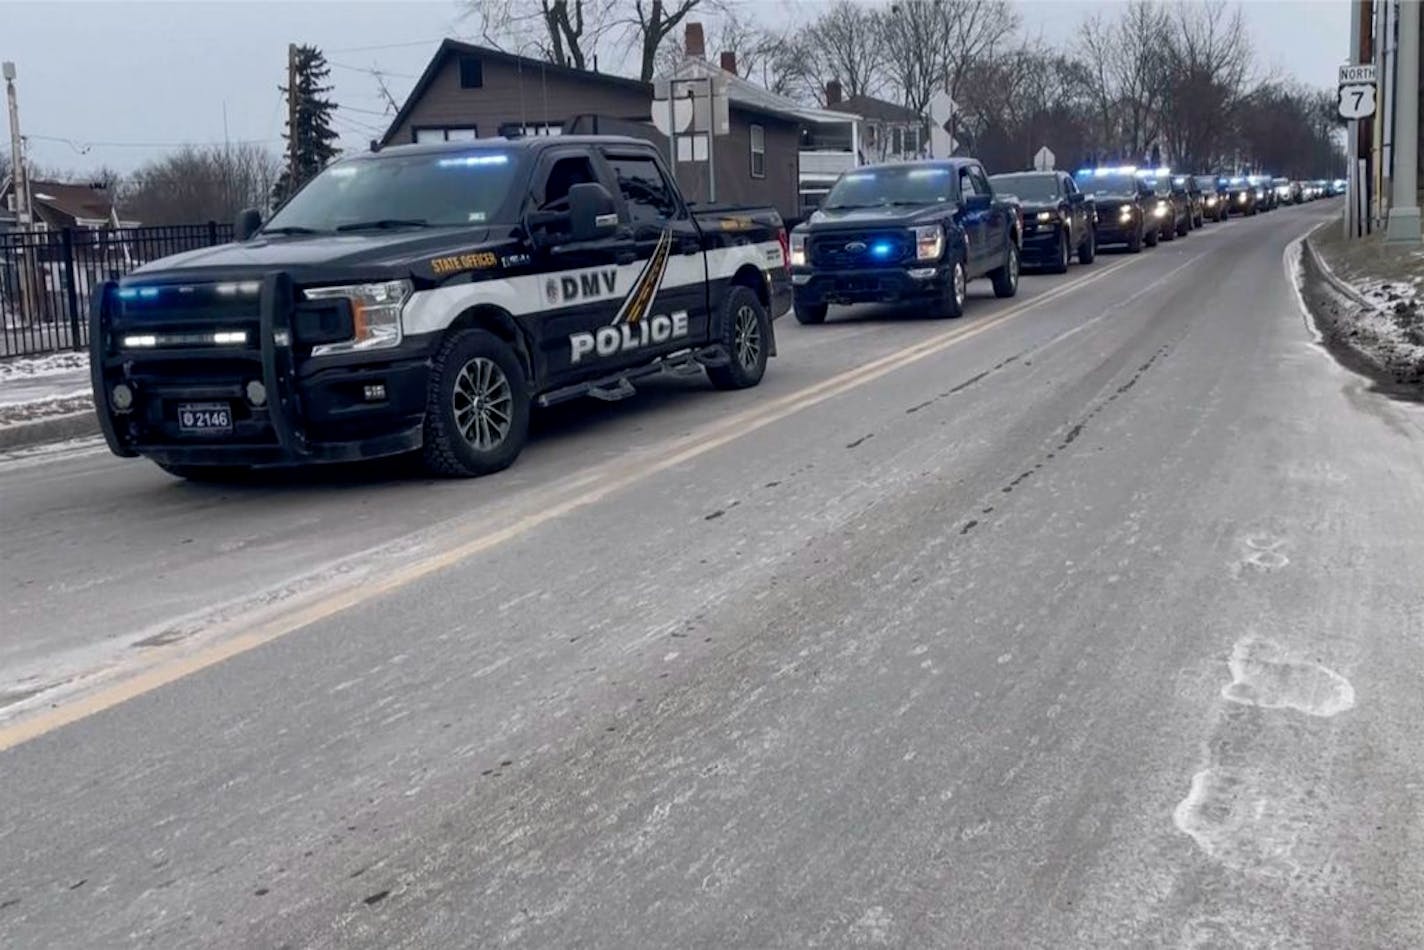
point(210, 474)
point(810, 314)
point(476, 406)
point(1152, 237)
point(1134, 244)
point(1060, 262)
point(1006, 278)
point(951, 305)
point(747, 337)
point(1089, 248)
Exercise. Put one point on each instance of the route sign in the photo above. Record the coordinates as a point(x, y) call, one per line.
point(1357, 100)
point(1352, 74)
point(1043, 159)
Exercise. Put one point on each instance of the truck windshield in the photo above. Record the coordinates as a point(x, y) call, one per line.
point(442, 189)
point(891, 185)
point(1109, 185)
point(1027, 187)
point(1206, 183)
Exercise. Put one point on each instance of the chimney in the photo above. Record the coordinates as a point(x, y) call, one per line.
point(729, 62)
point(833, 92)
point(695, 44)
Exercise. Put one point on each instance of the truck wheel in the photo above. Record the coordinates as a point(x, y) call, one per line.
point(810, 314)
point(1089, 248)
point(1060, 262)
point(951, 305)
point(1152, 237)
point(747, 337)
point(476, 406)
point(1006, 278)
point(212, 474)
point(1134, 244)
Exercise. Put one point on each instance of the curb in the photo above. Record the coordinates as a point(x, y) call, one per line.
point(73, 425)
point(1339, 285)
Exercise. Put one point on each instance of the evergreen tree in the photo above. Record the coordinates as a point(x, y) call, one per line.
point(308, 125)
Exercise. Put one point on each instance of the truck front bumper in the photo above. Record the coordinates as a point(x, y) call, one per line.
point(1040, 245)
point(870, 285)
point(333, 409)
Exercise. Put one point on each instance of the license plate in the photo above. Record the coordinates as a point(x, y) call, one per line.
point(205, 418)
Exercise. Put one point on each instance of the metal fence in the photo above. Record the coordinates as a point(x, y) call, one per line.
point(46, 277)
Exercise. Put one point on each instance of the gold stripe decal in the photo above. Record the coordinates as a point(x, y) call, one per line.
point(645, 288)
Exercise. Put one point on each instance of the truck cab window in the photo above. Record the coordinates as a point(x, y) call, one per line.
point(566, 172)
point(650, 200)
point(966, 184)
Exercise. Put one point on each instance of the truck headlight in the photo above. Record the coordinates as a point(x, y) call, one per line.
point(798, 250)
point(1045, 216)
point(929, 243)
point(1160, 211)
point(1125, 214)
point(375, 314)
point(1211, 202)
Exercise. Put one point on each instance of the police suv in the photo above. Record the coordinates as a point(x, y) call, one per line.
point(423, 299)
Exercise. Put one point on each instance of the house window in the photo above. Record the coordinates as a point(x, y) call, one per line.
point(912, 141)
point(452, 133)
point(896, 142)
point(758, 137)
point(472, 72)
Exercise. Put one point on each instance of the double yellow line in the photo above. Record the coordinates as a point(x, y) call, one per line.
point(237, 636)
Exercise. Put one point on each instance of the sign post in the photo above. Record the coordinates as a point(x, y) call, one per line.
point(1355, 100)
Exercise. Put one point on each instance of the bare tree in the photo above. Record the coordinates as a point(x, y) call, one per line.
point(845, 44)
point(729, 32)
point(932, 45)
point(1127, 63)
point(195, 184)
point(649, 23)
point(1205, 72)
point(564, 32)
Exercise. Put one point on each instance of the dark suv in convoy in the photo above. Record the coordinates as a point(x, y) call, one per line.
point(1241, 194)
point(1172, 211)
point(1058, 219)
point(1124, 203)
point(1185, 186)
point(1216, 198)
point(911, 231)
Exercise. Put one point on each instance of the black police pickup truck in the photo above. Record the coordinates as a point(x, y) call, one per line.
point(1216, 198)
point(912, 231)
point(423, 298)
point(1058, 219)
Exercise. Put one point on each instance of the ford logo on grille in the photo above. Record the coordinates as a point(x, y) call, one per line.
point(855, 247)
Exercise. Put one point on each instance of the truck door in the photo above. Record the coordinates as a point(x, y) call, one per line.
point(975, 221)
point(1077, 207)
point(996, 224)
point(579, 284)
point(672, 276)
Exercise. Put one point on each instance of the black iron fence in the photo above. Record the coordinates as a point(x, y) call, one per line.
point(46, 277)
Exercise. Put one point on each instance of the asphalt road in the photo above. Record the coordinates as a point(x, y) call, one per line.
point(1093, 619)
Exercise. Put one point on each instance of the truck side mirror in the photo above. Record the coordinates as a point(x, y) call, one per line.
point(249, 220)
point(978, 202)
point(592, 214)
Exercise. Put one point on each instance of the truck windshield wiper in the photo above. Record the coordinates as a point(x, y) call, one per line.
point(290, 229)
point(847, 207)
point(380, 223)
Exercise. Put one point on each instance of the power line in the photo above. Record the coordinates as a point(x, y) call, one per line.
point(365, 49)
point(82, 145)
point(370, 70)
point(344, 108)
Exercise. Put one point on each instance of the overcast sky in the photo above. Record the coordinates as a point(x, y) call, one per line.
point(125, 81)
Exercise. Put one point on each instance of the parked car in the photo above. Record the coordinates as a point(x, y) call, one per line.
point(1216, 198)
point(1124, 203)
point(909, 231)
point(423, 299)
point(1059, 221)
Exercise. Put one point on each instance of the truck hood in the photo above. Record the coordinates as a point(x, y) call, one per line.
point(364, 249)
point(833, 220)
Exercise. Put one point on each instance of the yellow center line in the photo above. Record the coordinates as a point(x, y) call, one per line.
point(612, 477)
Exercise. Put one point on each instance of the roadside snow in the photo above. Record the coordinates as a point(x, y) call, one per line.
point(52, 364)
point(60, 405)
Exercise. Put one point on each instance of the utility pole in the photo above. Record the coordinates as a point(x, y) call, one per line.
point(292, 182)
point(28, 288)
point(1403, 226)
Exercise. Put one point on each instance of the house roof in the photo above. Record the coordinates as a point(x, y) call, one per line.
point(449, 47)
point(81, 201)
point(870, 107)
point(748, 94)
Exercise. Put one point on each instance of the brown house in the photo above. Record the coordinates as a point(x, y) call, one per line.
point(469, 92)
point(57, 205)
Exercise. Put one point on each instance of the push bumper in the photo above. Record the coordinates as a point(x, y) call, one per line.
point(870, 285)
point(1116, 232)
point(315, 410)
point(1040, 245)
